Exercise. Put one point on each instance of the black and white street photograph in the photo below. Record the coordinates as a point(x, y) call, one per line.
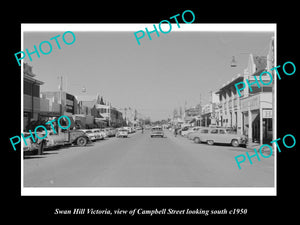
point(107, 110)
point(132, 112)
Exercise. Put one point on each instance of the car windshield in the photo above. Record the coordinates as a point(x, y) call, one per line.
point(88, 132)
point(156, 129)
point(123, 130)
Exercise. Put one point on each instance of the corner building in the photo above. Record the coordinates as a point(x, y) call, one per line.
point(252, 113)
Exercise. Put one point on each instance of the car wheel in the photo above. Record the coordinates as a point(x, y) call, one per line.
point(210, 142)
point(197, 140)
point(81, 141)
point(235, 143)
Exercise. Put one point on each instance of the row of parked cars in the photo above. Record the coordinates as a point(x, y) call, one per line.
point(99, 134)
point(79, 137)
point(211, 135)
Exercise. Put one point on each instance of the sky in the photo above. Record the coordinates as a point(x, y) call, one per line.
point(155, 77)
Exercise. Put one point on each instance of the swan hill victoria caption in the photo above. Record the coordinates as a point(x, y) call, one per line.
point(149, 212)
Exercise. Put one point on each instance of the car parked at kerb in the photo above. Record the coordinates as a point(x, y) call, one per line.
point(98, 134)
point(90, 134)
point(192, 135)
point(63, 137)
point(186, 132)
point(221, 136)
point(122, 133)
point(111, 132)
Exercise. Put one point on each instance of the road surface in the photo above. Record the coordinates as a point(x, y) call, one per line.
point(141, 161)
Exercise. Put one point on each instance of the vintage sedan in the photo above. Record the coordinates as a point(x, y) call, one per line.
point(111, 132)
point(222, 136)
point(98, 134)
point(190, 130)
point(195, 134)
point(157, 131)
point(122, 133)
point(90, 134)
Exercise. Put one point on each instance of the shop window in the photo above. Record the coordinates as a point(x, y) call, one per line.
point(36, 91)
point(31, 89)
point(27, 88)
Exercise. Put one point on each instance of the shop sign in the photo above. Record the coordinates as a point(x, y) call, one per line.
point(267, 113)
point(69, 103)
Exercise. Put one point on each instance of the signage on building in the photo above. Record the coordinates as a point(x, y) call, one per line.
point(69, 103)
point(267, 113)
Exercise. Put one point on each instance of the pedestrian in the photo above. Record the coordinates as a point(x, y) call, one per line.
point(175, 131)
point(142, 129)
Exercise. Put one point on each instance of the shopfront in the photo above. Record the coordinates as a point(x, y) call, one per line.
point(206, 119)
point(267, 118)
point(257, 117)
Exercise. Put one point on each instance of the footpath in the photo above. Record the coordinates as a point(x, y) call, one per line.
point(256, 146)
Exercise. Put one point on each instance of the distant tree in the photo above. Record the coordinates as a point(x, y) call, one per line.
point(147, 121)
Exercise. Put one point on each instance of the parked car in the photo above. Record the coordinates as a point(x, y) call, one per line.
point(184, 130)
point(220, 135)
point(130, 129)
point(30, 145)
point(122, 132)
point(195, 136)
point(112, 132)
point(104, 132)
point(60, 138)
point(188, 130)
point(90, 134)
point(195, 133)
point(157, 131)
point(99, 135)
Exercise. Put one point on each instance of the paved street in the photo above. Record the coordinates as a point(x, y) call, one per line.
point(141, 161)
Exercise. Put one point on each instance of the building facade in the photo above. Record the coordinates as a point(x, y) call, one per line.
point(251, 113)
point(31, 96)
point(229, 114)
